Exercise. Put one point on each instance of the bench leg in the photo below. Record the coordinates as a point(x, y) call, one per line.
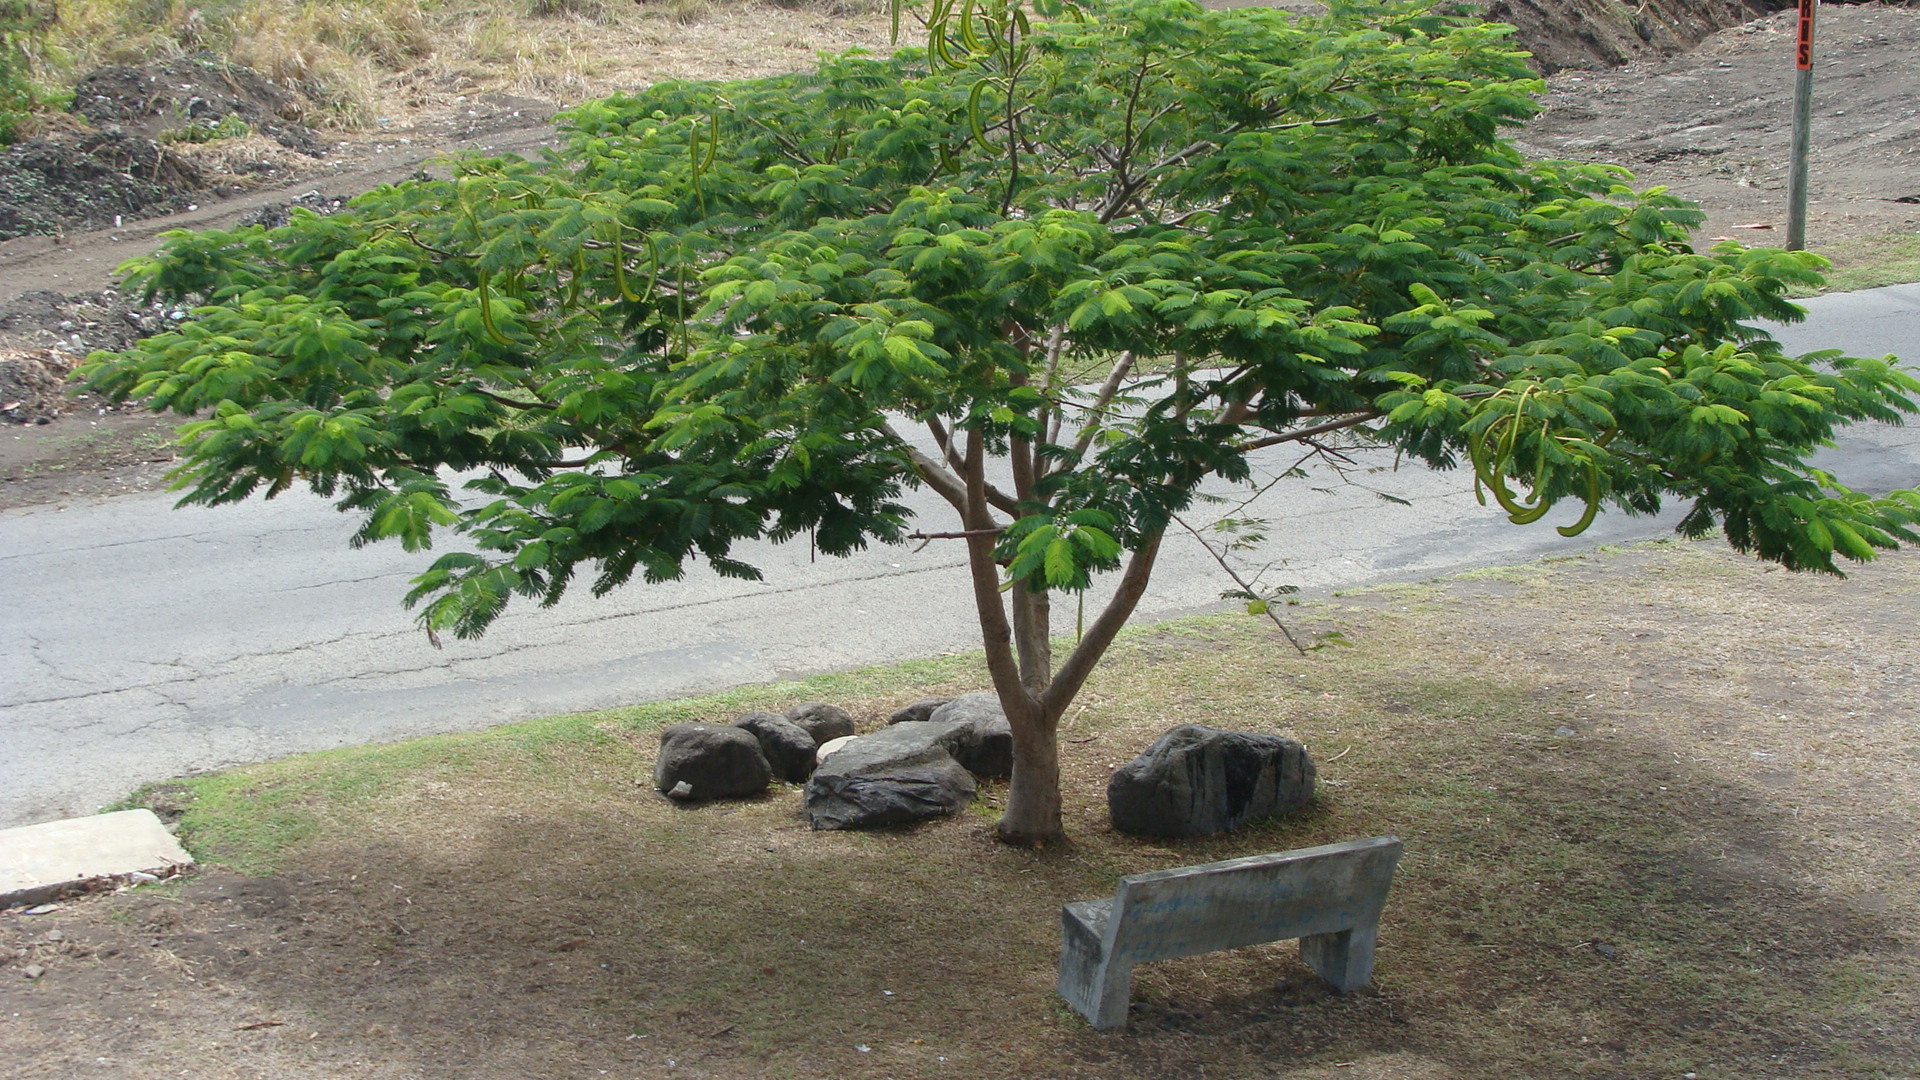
point(1344, 959)
point(1102, 995)
point(1095, 988)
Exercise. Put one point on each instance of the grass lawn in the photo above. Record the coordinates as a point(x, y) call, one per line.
point(1660, 810)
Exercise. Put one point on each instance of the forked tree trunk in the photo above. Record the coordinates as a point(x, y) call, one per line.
point(1020, 658)
point(1033, 796)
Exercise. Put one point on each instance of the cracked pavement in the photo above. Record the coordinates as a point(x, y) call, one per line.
point(138, 642)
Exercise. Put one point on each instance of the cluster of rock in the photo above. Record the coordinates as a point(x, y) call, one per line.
point(921, 765)
point(739, 760)
point(1193, 781)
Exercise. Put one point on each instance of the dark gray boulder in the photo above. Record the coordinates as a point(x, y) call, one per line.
point(821, 720)
point(715, 761)
point(788, 747)
point(919, 710)
point(1197, 780)
point(982, 740)
point(893, 776)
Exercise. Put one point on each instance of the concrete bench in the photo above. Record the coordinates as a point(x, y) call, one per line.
point(1329, 897)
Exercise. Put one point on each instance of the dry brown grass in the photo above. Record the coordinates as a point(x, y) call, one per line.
point(1659, 808)
point(347, 54)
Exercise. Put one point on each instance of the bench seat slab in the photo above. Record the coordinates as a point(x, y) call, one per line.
point(1329, 897)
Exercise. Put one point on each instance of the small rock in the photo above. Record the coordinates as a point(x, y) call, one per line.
point(1563, 731)
point(141, 877)
point(719, 761)
point(41, 909)
point(681, 790)
point(919, 710)
point(1606, 950)
point(788, 747)
point(831, 746)
point(1197, 780)
point(33, 971)
point(821, 720)
point(55, 935)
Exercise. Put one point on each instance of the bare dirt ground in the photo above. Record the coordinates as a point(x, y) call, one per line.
point(1660, 808)
point(1713, 125)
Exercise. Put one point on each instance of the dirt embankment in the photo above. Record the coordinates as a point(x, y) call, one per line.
point(1565, 34)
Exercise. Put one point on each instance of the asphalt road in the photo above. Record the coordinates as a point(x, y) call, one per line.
point(139, 642)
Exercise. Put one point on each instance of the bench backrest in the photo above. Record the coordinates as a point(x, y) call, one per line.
point(1224, 905)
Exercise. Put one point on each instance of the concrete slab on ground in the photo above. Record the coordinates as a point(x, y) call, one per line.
point(40, 862)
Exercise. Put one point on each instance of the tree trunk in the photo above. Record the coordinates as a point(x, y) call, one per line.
point(1033, 796)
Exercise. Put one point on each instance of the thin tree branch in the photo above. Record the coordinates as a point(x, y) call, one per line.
point(1080, 663)
point(999, 499)
point(937, 477)
point(1097, 414)
point(1307, 433)
point(1245, 585)
point(1056, 345)
point(996, 634)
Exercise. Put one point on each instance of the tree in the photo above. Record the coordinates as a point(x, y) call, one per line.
point(1099, 259)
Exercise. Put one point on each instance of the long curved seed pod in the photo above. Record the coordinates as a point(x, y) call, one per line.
point(968, 36)
point(975, 114)
point(620, 266)
point(1477, 454)
point(1490, 467)
point(653, 266)
point(937, 47)
point(1593, 504)
point(486, 313)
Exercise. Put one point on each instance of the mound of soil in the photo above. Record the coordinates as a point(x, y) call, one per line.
point(1565, 34)
point(85, 180)
point(167, 99)
point(275, 214)
point(31, 389)
point(126, 169)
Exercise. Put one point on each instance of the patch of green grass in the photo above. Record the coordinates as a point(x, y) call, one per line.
point(1892, 259)
point(204, 131)
point(250, 818)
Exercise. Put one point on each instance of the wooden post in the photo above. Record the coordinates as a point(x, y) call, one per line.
point(1802, 130)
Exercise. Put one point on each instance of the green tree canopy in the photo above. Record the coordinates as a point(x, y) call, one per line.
point(1099, 257)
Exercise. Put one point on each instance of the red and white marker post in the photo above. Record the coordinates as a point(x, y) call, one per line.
point(1802, 130)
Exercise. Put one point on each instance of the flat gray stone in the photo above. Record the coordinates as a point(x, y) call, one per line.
point(892, 776)
point(41, 862)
